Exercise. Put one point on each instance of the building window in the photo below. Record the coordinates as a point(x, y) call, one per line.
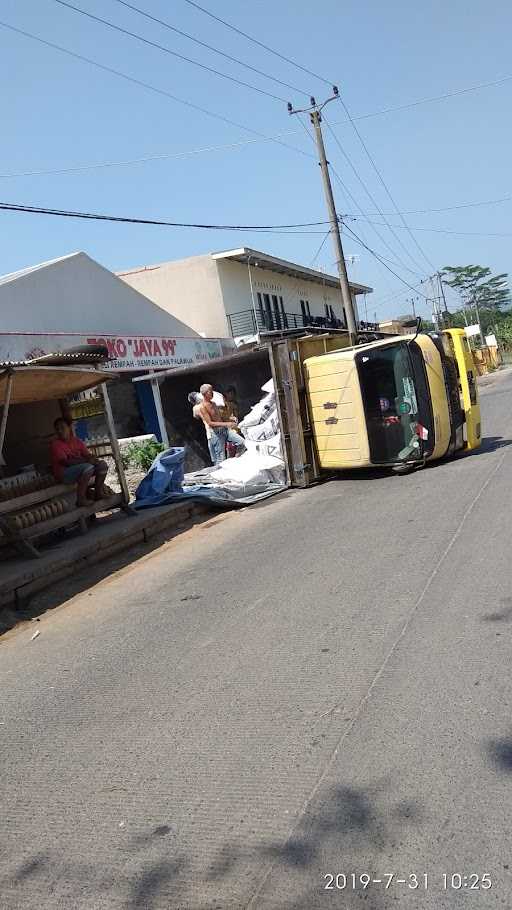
point(284, 317)
point(306, 312)
point(269, 324)
point(327, 314)
point(277, 314)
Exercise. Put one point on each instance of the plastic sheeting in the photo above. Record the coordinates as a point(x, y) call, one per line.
point(255, 475)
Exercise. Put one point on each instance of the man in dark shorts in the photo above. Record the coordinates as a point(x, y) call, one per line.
point(73, 463)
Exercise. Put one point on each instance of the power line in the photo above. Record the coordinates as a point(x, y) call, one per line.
point(436, 98)
point(261, 137)
point(389, 110)
point(164, 156)
point(209, 47)
point(167, 50)
point(148, 86)
point(372, 200)
point(65, 213)
point(446, 231)
point(379, 261)
point(373, 225)
point(406, 283)
point(347, 191)
point(258, 43)
point(384, 184)
point(449, 208)
point(319, 250)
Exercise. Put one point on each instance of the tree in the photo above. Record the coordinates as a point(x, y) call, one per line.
point(504, 330)
point(477, 287)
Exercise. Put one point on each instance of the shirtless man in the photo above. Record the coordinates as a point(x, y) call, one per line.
point(218, 432)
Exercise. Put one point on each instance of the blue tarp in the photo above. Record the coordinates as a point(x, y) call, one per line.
point(163, 484)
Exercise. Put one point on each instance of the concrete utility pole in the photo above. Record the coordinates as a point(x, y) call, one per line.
point(316, 119)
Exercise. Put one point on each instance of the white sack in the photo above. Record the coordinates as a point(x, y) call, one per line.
point(262, 431)
point(258, 413)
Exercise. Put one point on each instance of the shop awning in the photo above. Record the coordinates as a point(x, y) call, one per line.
point(231, 360)
point(32, 383)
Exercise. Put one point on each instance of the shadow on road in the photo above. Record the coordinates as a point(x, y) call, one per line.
point(500, 753)
point(489, 444)
point(345, 823)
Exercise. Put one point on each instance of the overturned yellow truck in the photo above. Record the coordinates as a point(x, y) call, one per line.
point(397, 403)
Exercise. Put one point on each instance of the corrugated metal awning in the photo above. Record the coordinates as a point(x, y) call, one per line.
point(208, 367)
point(31, 383)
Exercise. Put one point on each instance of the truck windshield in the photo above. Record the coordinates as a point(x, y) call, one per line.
point(394, 405)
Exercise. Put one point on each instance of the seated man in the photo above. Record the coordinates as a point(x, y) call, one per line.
point(73, 463)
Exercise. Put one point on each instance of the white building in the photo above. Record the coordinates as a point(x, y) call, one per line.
point(75, 301)
point(238, 292)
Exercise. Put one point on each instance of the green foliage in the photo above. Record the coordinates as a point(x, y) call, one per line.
point(498, 322)
point(141, 455)
point(477, 286)
point(504, 329)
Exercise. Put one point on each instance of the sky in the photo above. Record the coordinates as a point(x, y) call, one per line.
point(62, 114)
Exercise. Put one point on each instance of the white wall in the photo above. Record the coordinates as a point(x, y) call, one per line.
point(201, 291)
point(234, 280)
point(189, 289)
point(77, 295)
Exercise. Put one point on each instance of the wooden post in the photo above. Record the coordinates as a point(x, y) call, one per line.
point(5, 412)
point(114, 443)
point(157, 398)
point(277, 391)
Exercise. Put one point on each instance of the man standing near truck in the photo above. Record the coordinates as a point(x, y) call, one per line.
point(218, 432)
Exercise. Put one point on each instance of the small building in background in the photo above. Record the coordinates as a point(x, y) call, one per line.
point(241, 292)
point(74, 301)
point(394, 327)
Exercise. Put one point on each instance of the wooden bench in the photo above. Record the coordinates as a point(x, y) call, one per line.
point(26, 516)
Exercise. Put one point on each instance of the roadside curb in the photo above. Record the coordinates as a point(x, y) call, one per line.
point(22, 579)
point(492, 378)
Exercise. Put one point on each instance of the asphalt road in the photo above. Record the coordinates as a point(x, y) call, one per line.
point(316, 686)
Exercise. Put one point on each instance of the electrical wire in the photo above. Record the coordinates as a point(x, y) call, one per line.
point(347, 191)
point(258, 43)
point(406, 283)
point(436, 98)
point(319, 250)
point(373, 224)
point(385, 186)
point(388, 110)
point(371, 197)
point(446, 231)
point(449, 208)
point(65, 213)
point(210, 47)
point(349, 195)
point(380, 264)
point(261, 137)
point(164, 156)
point(167, 50)
point(149, 87)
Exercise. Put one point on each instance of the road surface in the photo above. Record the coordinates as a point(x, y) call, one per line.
point(318, 686)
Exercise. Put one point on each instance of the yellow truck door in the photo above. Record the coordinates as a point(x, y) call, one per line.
point(468, 385)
